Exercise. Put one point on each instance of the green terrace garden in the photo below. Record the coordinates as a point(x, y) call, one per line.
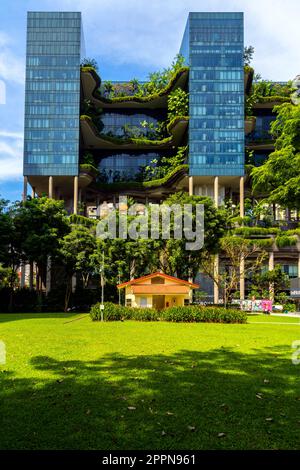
point(168, 133)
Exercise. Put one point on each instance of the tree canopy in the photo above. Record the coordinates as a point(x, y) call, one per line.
point(280, 174)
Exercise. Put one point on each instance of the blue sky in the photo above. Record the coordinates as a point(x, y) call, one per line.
point(130, 38)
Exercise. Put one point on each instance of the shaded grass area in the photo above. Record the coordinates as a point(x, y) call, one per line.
point(132, 385)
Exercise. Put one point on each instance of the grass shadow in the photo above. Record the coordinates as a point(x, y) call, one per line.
point(219, 399)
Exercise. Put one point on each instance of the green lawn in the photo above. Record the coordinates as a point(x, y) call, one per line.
point(72, 384)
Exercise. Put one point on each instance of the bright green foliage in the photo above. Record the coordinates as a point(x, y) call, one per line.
point(194, 314)
point(276, 277)
point(111, 312)
point(178, 103)
point(41, 222)
point(30, 232)
point(264, 91)
point(115, 312)
point(250, 231)
point(88, 159)
point(266, 88)
point(125, 259)
point(89, 168)
point(159, 80)
point(164, 166)
point(186, 314)
point(280, 174)
point(286, 240)
point(176, 260)
point(89, 63)
point(141, 314)
point(158, 83)
point(81, 220)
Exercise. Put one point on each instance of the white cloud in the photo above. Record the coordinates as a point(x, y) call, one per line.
point(140, 31)
point(11, 155)
point(16, 135)
point(12, 67)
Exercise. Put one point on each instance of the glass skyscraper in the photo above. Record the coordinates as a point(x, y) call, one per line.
point(51, 139)
point(213, 47)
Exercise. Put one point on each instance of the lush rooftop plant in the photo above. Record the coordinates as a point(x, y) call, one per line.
point(89, 63)
point(159, 83)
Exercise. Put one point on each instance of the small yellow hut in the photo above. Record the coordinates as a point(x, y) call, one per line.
point(157, 290)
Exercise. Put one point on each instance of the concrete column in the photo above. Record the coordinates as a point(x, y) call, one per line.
point(75, 200)
point(25, 188)
point(216, 274)
point(242, 278)
point(271, 267)
point(33, 192)
point(242, 196)
point(191, 185)
point(50, 191)
point(216, 191)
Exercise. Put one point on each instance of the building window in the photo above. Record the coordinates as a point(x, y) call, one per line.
point(143, 302)
point(128, 303)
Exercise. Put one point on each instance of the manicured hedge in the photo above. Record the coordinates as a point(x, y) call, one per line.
point(190, 314)
point(141, 314)
point(187, 314)
point(286, 240)
point(111, 312)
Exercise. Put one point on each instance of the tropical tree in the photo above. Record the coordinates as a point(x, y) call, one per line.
point(88, 62)
point(175, 258)
point(243, 258)
point(40, 223)
point(75, 254)
point(275, 278)
point(280, 174)
point(248, 55)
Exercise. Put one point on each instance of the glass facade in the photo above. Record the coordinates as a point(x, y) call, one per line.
point(52, 96)
point(262, 128)
point(116, 122)
point(213, 46)
point(125, 166)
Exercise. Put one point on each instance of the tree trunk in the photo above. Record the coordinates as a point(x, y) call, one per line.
point(68, 293)
point(274, 211)
point(11, 299)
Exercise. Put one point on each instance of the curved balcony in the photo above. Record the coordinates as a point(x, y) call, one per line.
point(91, 82)
point(158, 187)
point(268, 102)
point(93, 140)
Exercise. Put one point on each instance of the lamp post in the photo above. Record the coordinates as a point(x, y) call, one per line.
point(119, 279)
point(102, 285)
